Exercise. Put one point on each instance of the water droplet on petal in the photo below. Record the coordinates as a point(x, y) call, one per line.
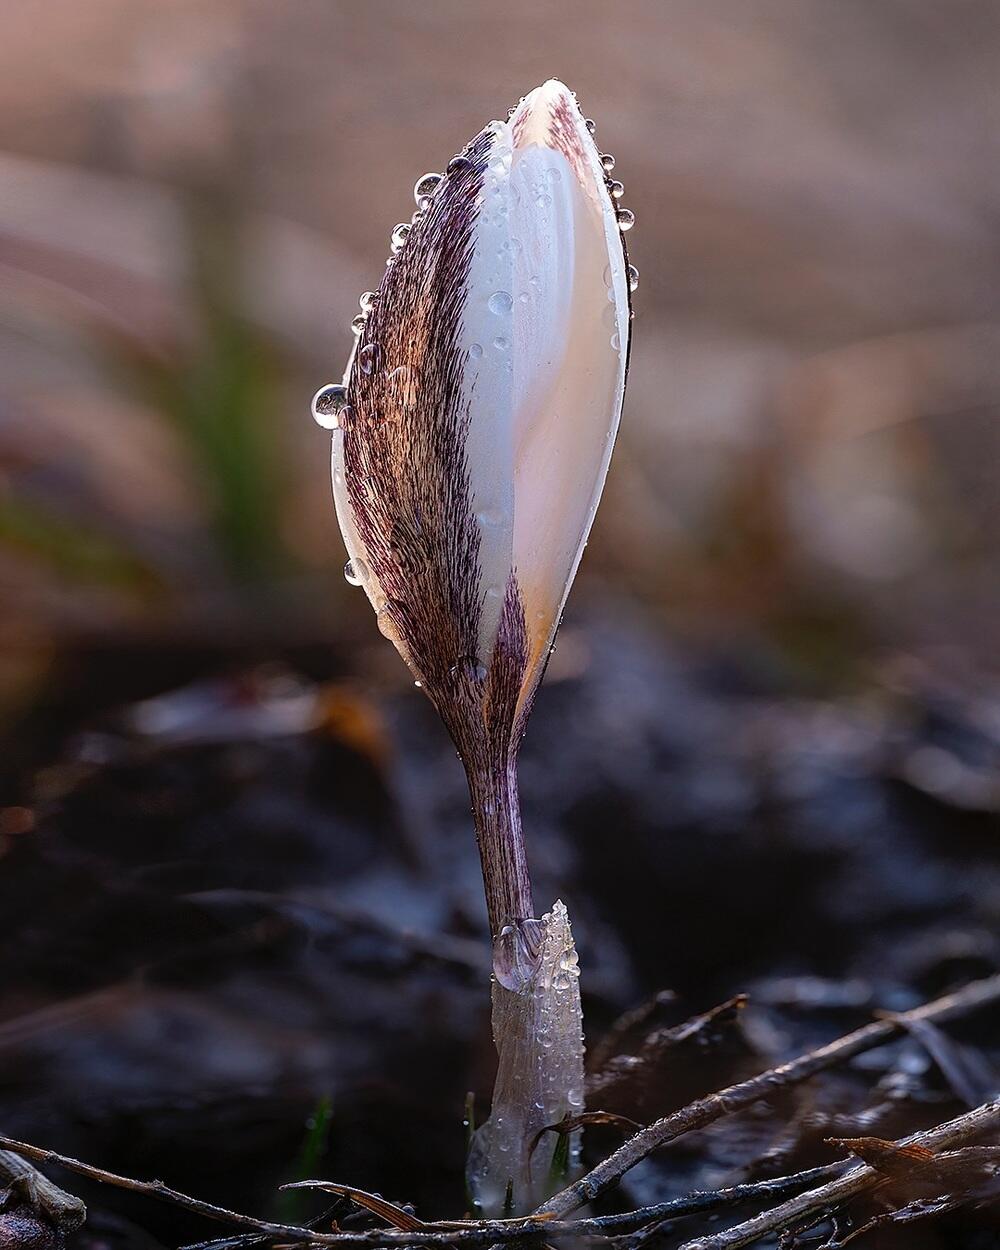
point(626, 219)
point(426, 186)
point(328, 404)
point(398, 236)
point(589, 123)
point(615, 341)
point(607, 162)
point(459, 163)
point(367, 358)
point(419, 685)
point(469, 666)
point(633, 277)
point(475, 351)
point(358, 324)
point(500, 343)
point(500, 302)
point(355, 572)
point(616, 189)
point(367, 300)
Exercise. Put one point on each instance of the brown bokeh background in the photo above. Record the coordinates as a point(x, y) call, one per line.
point(195, 193)
point(238, 883)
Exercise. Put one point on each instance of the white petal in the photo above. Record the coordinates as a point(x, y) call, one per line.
point(571, 327)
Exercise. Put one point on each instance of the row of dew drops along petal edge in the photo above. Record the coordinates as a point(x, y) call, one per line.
point(329, 404)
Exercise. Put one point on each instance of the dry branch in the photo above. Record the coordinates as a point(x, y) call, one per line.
point(64, 1210)
point(439, 1233)
point(736, 1097)
point(952, 1133)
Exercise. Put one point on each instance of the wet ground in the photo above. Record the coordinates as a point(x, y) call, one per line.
point(239, 897)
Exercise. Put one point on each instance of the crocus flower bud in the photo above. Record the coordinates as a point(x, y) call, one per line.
point(471, 440)
point(481, 404)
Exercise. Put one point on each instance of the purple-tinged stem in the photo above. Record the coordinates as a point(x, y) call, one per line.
point(496, 811)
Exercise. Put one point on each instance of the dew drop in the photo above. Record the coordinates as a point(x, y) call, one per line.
point(626, 219)
point(355, 572)
point(589, 123)
point(458, 163)
point(470, 667)
point(367, 300)
point(500, 302)
point(419, 685)
point(328, 405)
point(607, 162)
point(398, 236)
point(423, 204)
point(475, 351)
point(608, 275)
point(616, 189)
point(615, 341)
point(633, 277)
point(425, 187)
point(358, 324)
point(367, 358)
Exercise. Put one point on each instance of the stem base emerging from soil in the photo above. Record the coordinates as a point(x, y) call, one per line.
point(538, 1031)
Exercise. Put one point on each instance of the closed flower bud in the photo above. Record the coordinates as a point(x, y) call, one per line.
point(483, 397)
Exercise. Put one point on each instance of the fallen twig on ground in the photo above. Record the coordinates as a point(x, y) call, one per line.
point(953, 1133)
point(627, 1069)
point(18, 1177)
point(442, 1232)
point(724, 1102)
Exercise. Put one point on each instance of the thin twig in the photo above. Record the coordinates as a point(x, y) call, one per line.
point(736, 1097)
point(952, 1133)
point(439, 1233)
point(626, 1070)
point(65, 1211)
point(155, 1189)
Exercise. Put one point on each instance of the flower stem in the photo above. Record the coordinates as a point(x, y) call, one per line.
point(496, 811)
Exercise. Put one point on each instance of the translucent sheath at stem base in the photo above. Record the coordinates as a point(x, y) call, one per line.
point(538, 1031)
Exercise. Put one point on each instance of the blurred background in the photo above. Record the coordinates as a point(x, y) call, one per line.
point(224, 811)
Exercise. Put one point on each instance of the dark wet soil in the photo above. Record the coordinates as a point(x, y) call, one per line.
point(235, 891)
